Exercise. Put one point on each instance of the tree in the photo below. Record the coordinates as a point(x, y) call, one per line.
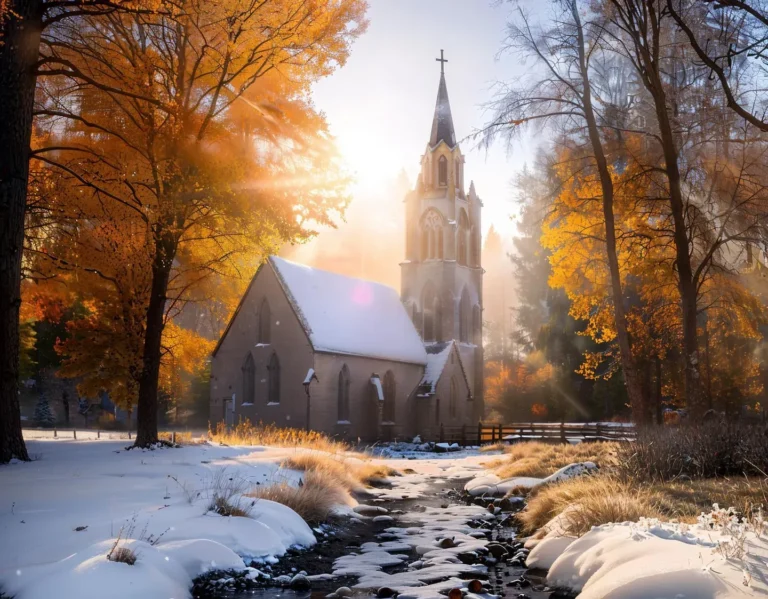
point(733, 32)
point(565, 95)
point(44, 415)
point(192, 135)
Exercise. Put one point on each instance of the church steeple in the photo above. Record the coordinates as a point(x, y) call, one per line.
point(442, 275)
point(442, 122)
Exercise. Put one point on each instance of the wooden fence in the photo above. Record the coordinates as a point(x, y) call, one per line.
point(549, 432)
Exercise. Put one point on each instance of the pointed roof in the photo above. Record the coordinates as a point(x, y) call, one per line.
point(345, 315)
point(442, 122)
point(437, 358)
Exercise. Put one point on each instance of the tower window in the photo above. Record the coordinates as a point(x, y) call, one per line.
point(442, 171)
point(432, 236)
point(457, 172)
point(462, 239)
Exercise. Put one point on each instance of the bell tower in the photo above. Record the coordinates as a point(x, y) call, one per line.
point(442, 275)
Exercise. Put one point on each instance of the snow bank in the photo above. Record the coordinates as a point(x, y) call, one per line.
point(62, 509)
point(490, 484)
point(716, 558)
point(165, 571)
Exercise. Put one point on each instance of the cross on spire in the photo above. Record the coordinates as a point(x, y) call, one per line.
point(442, 62)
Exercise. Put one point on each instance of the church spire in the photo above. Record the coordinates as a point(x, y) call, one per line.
point(442, 123)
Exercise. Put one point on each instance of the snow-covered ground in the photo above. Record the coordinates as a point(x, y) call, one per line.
point(58, 514)
point(722, 556)
point(719, 557)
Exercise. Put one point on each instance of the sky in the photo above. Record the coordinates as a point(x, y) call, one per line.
point(380, 104)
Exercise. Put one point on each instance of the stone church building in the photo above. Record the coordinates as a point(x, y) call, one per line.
point(313, 349)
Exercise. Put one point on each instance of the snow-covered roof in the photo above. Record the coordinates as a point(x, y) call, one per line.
point(352, 316)
point(437, 358)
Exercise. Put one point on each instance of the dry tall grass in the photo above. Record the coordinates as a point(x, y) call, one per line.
point(594, 500)
point(589, 501)
point(314, 500)
point(246, 433)
point(348, 473)
point(542, 459)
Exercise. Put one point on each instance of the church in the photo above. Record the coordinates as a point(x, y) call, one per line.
point(317, 350)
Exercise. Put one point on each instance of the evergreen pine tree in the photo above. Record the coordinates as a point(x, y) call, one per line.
point(44, 415)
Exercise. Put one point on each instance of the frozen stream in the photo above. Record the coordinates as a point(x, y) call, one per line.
point(419, 538)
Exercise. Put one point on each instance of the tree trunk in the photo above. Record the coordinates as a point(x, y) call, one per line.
point(629, 367)
point(19, 49)
point(685, 282)
point(146, 415)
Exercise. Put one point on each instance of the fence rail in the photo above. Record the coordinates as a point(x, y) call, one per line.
point(92, 433)
point(550, 432)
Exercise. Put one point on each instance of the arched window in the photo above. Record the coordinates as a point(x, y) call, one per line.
point(274, 379)
point(249, 379)
point(457, 172)
point(442, 171)
point(474, 247)
point(388, 410)
point(477, 326)
point(343, 394)
point(465, 316)
point(462, 239)
point(265, 322)
point(452, 399)
point(428, 302)
point(432, 235)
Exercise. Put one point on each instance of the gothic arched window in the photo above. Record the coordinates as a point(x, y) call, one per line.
point(462, 239)
point(388, 410)
point(474, 247)
point(432, 235)
point(265, 322)
point(457, 172)
point(452, 400)
point(442, 171)
point(343, 394)
point(249, 379)
point(465, 316)
point(274, 379)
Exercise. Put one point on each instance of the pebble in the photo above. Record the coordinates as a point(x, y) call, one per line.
point(344, 592)
point(385, 592)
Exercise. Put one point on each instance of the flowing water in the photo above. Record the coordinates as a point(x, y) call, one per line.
point(506, 578)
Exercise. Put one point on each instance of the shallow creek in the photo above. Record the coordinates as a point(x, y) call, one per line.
point(429, 541)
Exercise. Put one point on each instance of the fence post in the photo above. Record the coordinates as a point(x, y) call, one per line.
point(501, 432)
point(442, 433)
point(98, 434)
point(479, 433)
point(562, 433)
point(54, 432)
point(598, 434)
point(129, 434)
point(74, 433)
point(493, 433)
point(173, 437)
